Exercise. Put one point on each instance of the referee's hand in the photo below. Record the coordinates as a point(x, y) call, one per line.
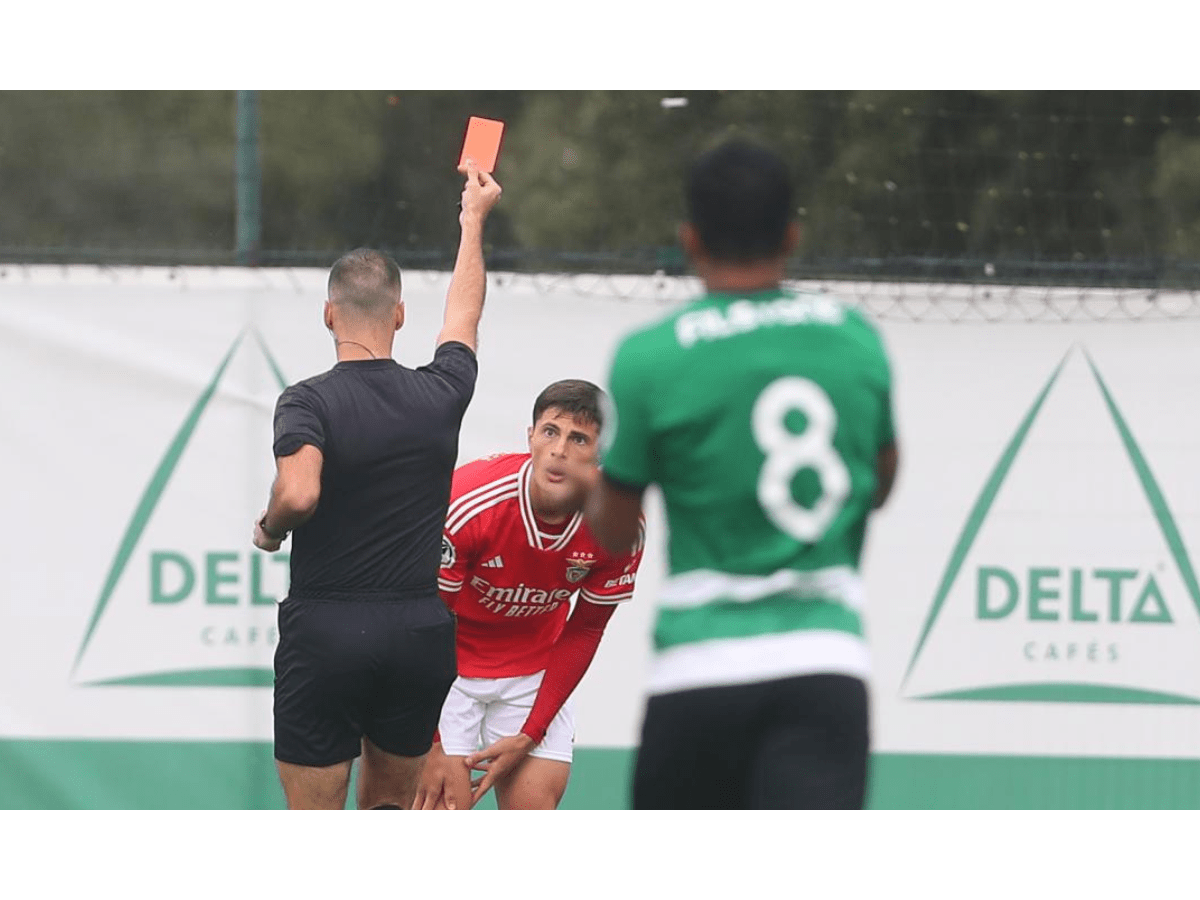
point(480, 193)
point(262, 540)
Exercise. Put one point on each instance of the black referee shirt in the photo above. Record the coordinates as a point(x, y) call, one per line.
point(389, 436)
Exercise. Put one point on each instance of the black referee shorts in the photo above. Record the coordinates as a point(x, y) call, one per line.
point(795, 743)
point(347, 668)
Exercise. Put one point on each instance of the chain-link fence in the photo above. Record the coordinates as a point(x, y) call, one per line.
point(1098, 189)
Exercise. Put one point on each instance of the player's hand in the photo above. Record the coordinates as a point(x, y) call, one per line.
point(480, 193)
point(261, 539)
point(441, 784)
point(589, 479)
point(497, 761)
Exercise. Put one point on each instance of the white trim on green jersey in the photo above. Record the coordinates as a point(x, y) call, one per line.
point(767, 657)
point(838, 584)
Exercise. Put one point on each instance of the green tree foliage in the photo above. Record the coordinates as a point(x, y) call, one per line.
point(885, 179)
point(110, 170)
point(344, 169)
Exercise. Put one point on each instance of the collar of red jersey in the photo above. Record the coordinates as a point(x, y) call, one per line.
point(536, 537)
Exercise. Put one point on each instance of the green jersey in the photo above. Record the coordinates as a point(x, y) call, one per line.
point(760, 417)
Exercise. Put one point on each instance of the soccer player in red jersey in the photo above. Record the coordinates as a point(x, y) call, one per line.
point(515, 550)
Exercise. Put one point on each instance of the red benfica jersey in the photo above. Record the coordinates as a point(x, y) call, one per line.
point(509, 577)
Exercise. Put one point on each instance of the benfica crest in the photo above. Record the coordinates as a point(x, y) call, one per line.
point(577, 569)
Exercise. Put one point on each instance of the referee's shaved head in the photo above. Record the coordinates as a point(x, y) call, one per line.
point(366, 283)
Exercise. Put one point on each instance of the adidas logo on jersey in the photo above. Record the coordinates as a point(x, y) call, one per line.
point(494, 563)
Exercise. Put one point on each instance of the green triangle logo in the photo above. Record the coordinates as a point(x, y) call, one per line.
point(147, 586)
point(1062, 588)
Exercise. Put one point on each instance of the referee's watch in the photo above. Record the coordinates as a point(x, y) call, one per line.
point(262, 523)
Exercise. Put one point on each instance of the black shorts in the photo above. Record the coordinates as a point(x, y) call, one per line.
point(349, 668)
point(795, 743)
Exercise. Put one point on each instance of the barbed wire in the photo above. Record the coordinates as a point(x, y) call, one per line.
point(909, 301)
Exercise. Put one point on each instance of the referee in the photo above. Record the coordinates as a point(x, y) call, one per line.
point(364, 455)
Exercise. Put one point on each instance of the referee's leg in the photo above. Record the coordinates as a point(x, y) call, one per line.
point(315, 743)
point(314, 787)
point(415, 665)
point(387, 780)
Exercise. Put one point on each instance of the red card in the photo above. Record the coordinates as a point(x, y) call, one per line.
point(482, 143)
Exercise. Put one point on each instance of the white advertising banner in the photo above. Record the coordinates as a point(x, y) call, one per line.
point(1032, 587)
point(1033, 584)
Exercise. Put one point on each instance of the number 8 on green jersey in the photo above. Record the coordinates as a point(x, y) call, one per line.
point(761, 418)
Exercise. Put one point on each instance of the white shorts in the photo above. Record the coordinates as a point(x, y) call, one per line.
point(480, 711)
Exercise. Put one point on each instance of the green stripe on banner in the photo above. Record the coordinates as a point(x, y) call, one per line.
point(246, 677)
point(777, 614)
point(47, 774)
point(1064, 693)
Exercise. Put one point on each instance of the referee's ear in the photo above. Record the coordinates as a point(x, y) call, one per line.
point(329, 314)
point(399, 314)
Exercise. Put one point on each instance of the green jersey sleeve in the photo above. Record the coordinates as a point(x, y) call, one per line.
point(626, 454)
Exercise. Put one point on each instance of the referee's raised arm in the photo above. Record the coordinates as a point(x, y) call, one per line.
point(468, 284)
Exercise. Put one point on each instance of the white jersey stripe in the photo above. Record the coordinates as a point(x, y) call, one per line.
point(526, 505)
point(608, 599)
point(568, 533)
point(475, 493)
point(471, 513)
point(466, 503)
point(487, 485)
point(726, 661)
point(455, 522)
point(840, 584)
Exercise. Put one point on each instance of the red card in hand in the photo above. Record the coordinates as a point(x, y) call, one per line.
point(482, 143)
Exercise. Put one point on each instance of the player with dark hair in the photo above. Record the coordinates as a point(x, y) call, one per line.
point(514, 553)
point(765, 417)
point(365, 453)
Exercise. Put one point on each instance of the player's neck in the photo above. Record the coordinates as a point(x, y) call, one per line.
point(547, 514)
point(752, 278)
